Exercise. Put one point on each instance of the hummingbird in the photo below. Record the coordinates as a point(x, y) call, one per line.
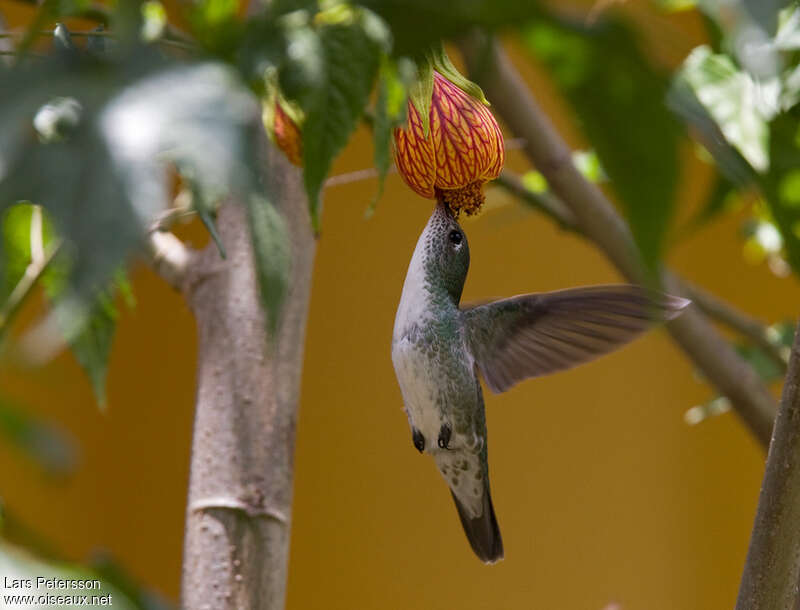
point(439, 350)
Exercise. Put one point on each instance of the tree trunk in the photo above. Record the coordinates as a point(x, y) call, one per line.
point(772, 570)
point(240, 489)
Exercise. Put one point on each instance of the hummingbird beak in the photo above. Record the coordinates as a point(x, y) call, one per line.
point(442, 208)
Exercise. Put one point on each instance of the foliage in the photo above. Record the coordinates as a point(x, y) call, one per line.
point(618, 96)
point(744, 109)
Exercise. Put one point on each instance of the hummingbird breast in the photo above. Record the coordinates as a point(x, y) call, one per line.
point(437, 379)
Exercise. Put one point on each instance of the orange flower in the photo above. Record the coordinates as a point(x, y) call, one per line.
point(287, 135)
point(463, 149)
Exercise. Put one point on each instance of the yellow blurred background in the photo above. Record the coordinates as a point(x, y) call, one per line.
point(602, 492)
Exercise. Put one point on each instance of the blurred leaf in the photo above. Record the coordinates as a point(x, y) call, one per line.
point(787, 37)
point(154, 20)
point(683, 101)
point(677, 5)
point(720, 199)
point(733, 100)
point(416, 24)
point(349, 59)
point(92, 345)
point(216, 25)
point(781, 183)
point(619, 98)
point(15, 563)
point(15, 225)
point(112, 573)
point(107, 180)
point(390, 112)
point(272, 256)
point(585, 161)
point(765, 12)
point(51, 448)
point(18, 538)
point(26, 234)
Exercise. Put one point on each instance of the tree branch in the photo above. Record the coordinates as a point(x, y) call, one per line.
point(240, 489)
point(748, 327)
point(545, 202)
point(597, 219)
point(772, 569)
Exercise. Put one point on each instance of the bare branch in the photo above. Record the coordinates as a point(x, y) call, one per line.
point(772, 569)
point(597, 219)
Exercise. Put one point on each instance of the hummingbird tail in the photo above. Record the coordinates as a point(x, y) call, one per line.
point(482, 532)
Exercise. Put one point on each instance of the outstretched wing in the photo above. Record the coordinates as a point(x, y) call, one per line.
point(536, 334)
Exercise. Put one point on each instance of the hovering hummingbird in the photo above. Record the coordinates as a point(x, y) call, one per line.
point(438, 349)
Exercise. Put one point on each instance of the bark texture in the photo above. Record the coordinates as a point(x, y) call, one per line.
point(240, 489)
point(772, 570)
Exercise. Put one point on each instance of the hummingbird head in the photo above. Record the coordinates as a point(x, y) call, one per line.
point(446, 253)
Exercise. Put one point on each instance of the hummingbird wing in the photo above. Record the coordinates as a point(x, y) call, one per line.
point(536, 334)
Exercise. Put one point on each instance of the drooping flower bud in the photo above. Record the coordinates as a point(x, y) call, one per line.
point(450, 153)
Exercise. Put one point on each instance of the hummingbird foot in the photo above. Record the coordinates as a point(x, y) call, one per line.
point(444, 436)
point(418, 440)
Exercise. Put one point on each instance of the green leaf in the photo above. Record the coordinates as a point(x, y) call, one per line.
point(733, 100)
point(721, 198)
point(390, 112)
point(50, 447)
point(113, 574)
point(107, 180)
point(585, 161)
point(765, 12)
point(272, 253)
point(92, 345)
point(441, 63)
point(23, 228)
point(683, 101)
point(16, 563)
point(215, 25)
point(421, 94)
point(349, 59)
point(416, 24)
point(619, 99)
point(15, 225)
point(781, 183)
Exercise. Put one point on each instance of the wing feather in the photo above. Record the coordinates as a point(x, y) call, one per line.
point(537, 334)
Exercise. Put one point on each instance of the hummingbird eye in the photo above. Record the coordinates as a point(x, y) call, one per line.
point(456, 237)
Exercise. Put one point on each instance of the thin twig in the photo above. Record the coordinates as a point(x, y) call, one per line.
point(772, 568)
point(599, 221)
point(545, 202)
point(167, 41)
point(748, 327)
